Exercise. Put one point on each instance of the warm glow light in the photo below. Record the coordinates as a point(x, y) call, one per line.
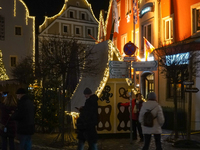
point(14, 8)
point(3, 75)
point(50, 19)
point(128, 18)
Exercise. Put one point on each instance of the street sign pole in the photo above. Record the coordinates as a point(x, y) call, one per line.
point(189, 103)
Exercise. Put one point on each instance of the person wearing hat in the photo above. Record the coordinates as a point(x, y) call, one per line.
point(158, 121)
point(24, 116)
point(87, 121)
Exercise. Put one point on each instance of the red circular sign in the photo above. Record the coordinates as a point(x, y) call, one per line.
point(129, 48)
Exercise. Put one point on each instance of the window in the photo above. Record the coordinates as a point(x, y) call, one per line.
point(18, 30)
point(77, 4)
point(123, 42)
point(13, 61)
point(2, 28)
point(119, 9)
point(146, 30)
point(196, 19)
point(78, 30)
point(65, 28)
point(170, 88)
point(89, 31)
point(71, 14)
point(168, 29)
point(83, 16)
point(128, 5)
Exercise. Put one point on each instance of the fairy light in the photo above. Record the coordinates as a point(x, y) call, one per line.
point(14, 8)
point(50, 19)
point(3, 76)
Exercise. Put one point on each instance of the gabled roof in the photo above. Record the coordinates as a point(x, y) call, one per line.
point(67, 4)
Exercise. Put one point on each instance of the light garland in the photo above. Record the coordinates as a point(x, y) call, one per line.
point(3, 76)
point(47, 19)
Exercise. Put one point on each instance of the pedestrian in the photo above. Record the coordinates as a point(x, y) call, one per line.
point(8, 131)
point(24, 115)
point(87, 121)
point(158, 121)
point(136, 106)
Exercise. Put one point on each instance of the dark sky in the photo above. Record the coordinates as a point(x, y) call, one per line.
point(41, 8)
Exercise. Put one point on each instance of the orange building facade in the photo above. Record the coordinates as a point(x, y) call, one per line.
point(161, 22)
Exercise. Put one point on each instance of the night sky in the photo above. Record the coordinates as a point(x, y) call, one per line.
point(41, 8)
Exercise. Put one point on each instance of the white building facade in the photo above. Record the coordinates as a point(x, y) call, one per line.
point(17, 33)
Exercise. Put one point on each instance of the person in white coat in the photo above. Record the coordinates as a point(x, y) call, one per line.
point(159, 120)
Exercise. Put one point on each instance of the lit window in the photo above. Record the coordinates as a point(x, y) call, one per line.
point(2, 28)
point(128, 5)
point(195, 20)
point(18, 30)
point(13, 61)
point(168, 26)
point(147, 32)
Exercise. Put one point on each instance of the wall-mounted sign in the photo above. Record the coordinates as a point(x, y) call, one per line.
point(146, 8)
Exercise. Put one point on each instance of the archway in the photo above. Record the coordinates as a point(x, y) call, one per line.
point(147, 83)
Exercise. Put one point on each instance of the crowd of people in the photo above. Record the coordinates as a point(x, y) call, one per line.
point(17, 120)
point(88, 119)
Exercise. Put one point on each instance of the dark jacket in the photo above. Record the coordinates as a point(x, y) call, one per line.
point(88, 119)
point(24, 115)
point(6, 120)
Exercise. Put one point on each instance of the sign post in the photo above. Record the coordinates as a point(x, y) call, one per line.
point(129, 49)
point(118, 69)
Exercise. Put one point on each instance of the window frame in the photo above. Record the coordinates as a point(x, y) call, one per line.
point(18, 27)
point(168, 30)
point(91, 31)
point(85, 18)
point(67, 29)
point(2, 28)
point(80, 31)
point(11, 62)
point(124, 38)
point(72, 14)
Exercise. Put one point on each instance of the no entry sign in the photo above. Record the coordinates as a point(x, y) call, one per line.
point(129, 48)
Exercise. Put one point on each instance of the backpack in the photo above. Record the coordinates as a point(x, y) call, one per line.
point(148, 118)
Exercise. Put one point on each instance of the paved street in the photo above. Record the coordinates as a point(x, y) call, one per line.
point(115, 143)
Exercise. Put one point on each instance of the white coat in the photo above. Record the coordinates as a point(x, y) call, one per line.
point(157, 112)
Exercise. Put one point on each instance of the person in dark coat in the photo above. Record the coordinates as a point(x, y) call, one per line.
point(24, 115)
point(8, 132)
point(87, 121)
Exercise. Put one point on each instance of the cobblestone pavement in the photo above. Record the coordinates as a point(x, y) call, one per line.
point(118, 143)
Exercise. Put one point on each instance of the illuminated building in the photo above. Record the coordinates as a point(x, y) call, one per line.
point(17, 33)
point(161, 23)
point(75, 19)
